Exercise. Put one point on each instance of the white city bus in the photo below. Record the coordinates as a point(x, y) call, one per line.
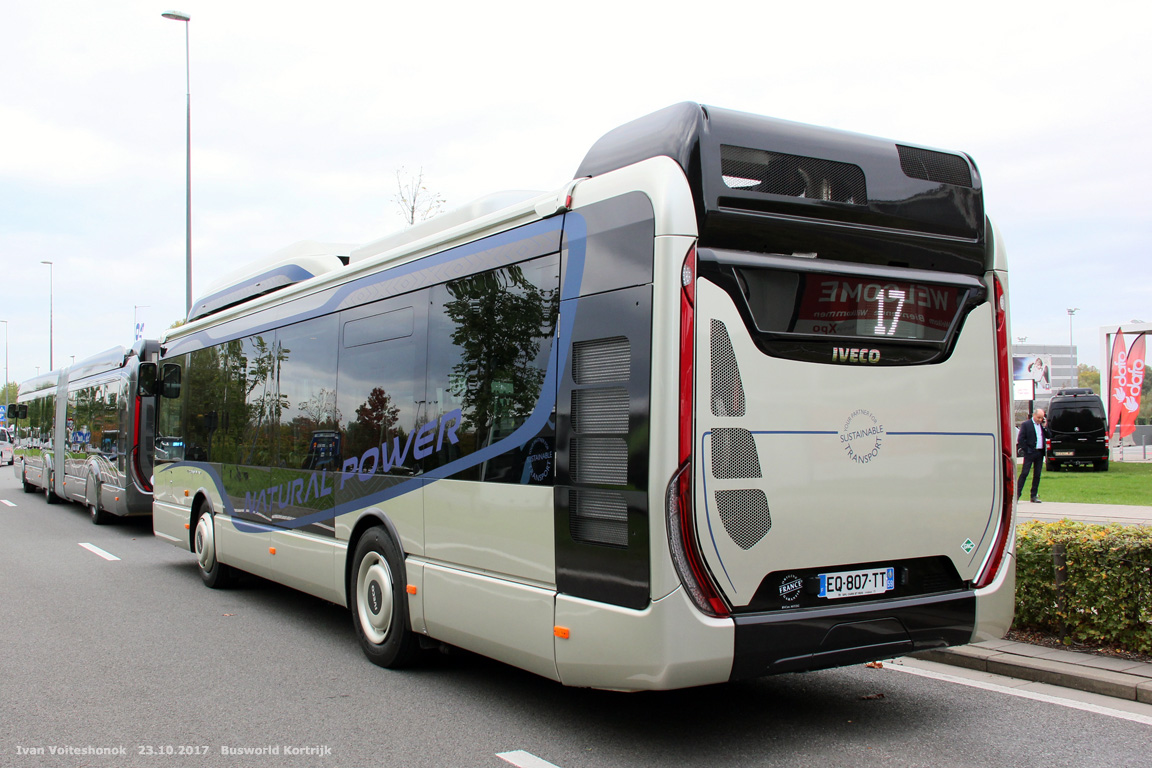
point(735, 401)
point(84, 433)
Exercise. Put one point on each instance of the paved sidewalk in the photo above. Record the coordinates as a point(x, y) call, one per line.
point(1121, 678)
point(1051, 511)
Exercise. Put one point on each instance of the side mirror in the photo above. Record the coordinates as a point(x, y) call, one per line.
point(170, 380)
point(23, 414)
point(146, 379)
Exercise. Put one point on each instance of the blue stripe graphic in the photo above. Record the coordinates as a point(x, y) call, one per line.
point(576, 229)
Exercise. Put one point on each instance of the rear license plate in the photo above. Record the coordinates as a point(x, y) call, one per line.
point(1063, 453)
point(857, 583)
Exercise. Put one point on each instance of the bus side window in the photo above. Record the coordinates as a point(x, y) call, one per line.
point(490, 340)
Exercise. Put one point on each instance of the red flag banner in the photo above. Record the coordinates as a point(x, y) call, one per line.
point(1132, 383)
point(1116, 393)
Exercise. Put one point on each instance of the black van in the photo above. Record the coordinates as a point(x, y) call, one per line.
point(1079, 430)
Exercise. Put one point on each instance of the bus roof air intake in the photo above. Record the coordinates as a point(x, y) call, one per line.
point(935, 166)
point(891, 203)
point(773, 173)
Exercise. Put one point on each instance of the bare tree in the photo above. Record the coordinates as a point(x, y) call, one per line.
point(415, 201)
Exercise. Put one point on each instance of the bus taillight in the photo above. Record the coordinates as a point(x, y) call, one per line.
point(687, 351)
point(682, 543)
point(1008, 457)
point(141, 476)
point(681, 531)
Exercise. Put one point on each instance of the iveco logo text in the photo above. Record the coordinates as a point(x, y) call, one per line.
point(846, 355)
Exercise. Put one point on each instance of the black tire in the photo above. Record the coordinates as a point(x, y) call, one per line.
point(1101, 465)
point(1050, 466)
point(378, 597)
point(214, 574)
point(99, 516)
point(49, 495)
point(28, 487)
point(92, 491)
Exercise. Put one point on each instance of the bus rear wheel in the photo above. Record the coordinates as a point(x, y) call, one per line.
point(379, 601)
point(49, 495)
point(92, 491)
point(28, 487)
point(99, 516)
point(214, 574)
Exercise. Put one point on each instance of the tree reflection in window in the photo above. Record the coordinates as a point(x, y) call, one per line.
point(490, 343)
point(380, 392)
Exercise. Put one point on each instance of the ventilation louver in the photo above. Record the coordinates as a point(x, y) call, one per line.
point(598, 452)
point(598, 517)
point(734, 454)
point(809, 178)
point(727, 389)
point(930, 165)
point(745, 515)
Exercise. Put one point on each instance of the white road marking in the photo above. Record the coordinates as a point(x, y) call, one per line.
point(6, 503)
point(522, 759)
point(96, 550)
point(1071, 704)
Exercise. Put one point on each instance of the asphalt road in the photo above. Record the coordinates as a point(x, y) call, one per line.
point(135, 654)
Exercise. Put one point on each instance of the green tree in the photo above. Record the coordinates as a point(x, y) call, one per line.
point(265, 401)
point(1145, 414)
point(500, 320)
point(1088, 376)
point(11, 389)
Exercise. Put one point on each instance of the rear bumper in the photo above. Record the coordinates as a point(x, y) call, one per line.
point(1077, 453)
point(795, 641)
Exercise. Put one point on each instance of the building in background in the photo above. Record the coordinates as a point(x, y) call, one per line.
point(1041, 370)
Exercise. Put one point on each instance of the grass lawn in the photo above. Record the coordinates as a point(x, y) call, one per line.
point(1123, 483)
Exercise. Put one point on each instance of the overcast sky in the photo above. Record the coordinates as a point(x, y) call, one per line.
point(303, 111)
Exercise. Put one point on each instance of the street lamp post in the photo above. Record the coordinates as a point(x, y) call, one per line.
point(50, 365)
point(5, 367)
point(1075, 379)
point(177, 16)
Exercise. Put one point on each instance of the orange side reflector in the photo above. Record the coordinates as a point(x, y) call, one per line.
point(117, 498)
point(187, 526)
point(271, 550)
point(185, 493)
point(561, 632)
point(411, 589)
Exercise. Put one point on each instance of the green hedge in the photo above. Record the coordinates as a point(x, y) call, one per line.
point(1106, 595)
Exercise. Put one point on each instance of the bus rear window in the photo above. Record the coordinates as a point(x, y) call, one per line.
point(1078, 418)
point(836, 305)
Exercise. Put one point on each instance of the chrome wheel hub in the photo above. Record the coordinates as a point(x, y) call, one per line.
point(374, 597)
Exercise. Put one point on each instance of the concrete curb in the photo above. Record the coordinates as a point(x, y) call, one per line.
point(1120, 678)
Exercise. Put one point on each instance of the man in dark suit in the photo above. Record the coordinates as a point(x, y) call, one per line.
point(1030, 441)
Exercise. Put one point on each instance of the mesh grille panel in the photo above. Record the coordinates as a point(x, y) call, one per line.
point(734, 454)
point(727, 389)
point(598, 517)
point(595, 362)
point(772, 173)
point(935, 166)
point(745, 515)
point(599, 460)
point(600, 410)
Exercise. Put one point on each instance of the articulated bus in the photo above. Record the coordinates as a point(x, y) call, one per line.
point(85, 433)
point(734, 401)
